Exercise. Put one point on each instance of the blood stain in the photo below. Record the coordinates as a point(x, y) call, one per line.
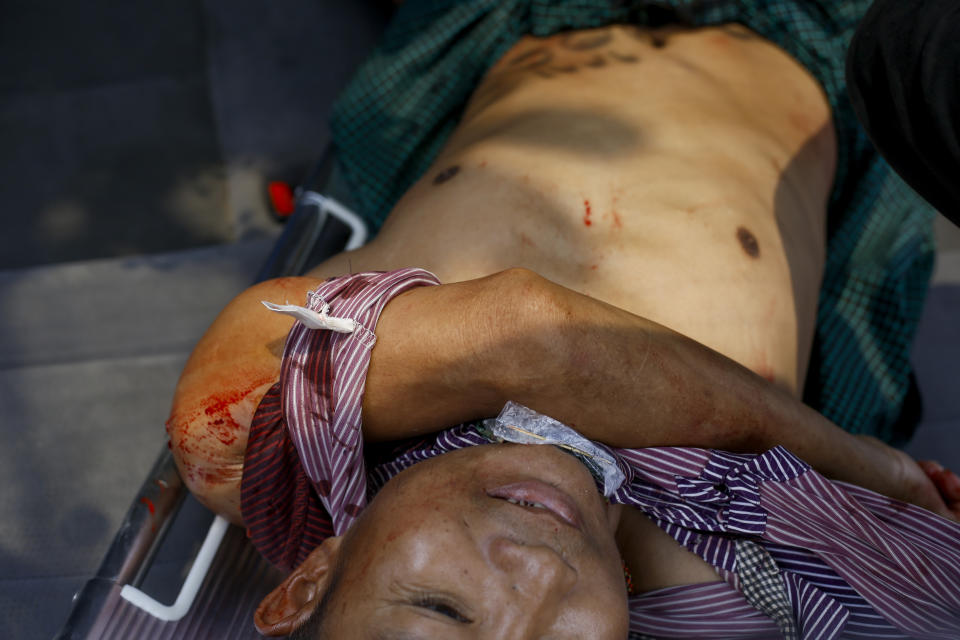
point(800, 121)
point(147, 501)
point(586, 216)
point(221, 404)
point(617, 222)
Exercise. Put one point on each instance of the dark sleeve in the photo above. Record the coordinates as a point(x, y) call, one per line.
point(903, 75)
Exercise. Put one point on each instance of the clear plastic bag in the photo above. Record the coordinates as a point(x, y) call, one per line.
point(522, 425)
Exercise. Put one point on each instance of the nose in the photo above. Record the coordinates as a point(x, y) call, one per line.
point(534, 571)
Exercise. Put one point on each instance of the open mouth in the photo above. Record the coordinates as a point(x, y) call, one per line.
point(536, 495)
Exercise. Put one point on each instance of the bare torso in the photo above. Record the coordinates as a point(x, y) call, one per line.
point(681, 175)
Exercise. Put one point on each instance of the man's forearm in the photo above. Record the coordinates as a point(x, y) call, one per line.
point(458, 352)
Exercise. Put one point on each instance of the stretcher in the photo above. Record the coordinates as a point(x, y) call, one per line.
point(174, 570)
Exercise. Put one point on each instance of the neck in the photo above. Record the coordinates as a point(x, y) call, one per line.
point(654, 559)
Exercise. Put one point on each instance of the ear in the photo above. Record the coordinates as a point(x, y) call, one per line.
point(290, 604)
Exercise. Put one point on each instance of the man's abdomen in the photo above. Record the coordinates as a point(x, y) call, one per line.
point(681, 176)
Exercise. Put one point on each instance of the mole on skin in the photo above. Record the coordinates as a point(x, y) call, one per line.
point(446, 174)
point(749, 242)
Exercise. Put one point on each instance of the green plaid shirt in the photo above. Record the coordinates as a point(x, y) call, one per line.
point(406, 99)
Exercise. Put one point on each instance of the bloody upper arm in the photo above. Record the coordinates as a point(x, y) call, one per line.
point(230, 369)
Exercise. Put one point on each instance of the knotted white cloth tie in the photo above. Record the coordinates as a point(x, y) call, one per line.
point(314, 319)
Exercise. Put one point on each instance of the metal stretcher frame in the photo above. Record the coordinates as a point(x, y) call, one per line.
point(228, 578)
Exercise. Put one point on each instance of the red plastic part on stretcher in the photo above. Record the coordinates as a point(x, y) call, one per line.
point(281, 198)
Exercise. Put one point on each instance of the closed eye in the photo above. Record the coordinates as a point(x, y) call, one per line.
point(442, 606)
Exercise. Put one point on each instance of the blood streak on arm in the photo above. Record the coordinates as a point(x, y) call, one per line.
point(586, 215)
point(229, 371)
point(209, 439)
point(220, 422)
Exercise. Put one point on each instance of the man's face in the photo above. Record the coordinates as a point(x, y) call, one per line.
point(444, 552)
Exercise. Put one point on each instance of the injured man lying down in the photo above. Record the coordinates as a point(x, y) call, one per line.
point(560, 394)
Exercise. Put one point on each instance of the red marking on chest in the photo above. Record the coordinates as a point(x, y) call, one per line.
point(764, 370)
point(586, 213)
point(525, 240)
point(800, 121)
point(617, 222)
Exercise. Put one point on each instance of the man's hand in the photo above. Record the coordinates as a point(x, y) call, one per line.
point(947, 483)
point(925, 483)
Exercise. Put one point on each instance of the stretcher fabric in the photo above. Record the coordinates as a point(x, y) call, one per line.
point(406, 99)
point(852, 562)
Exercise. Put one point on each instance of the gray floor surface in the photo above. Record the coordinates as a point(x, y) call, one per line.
point(138, 140)
point(86, 377)
point(137, 143)
point(133, 128)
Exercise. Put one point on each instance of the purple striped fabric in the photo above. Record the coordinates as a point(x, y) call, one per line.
point(853, 563)
point(284, 517)
point(322, 396)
